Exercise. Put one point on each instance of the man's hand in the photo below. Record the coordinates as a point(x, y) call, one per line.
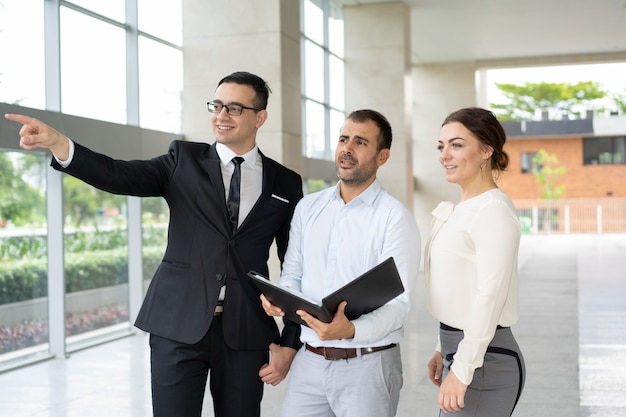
point(280, 361)
point(36, 134)
point(271, 309)
point(435, 368)
point(339, 328)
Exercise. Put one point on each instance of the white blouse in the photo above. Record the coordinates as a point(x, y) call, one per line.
point(472, 274)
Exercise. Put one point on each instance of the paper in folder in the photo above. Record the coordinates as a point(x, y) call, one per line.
point(364, 294)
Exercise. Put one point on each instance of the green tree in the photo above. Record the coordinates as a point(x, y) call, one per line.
point(547, 171)
point(619, 99)
point(82, 202)
point(525, 100)
point(19, 201)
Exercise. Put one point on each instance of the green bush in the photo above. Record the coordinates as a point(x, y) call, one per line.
point(27, 279)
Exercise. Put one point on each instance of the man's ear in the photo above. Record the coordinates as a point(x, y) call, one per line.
point(261, 117)
point(383, 156)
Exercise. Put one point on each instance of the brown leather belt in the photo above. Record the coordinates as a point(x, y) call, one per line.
point(333, 354)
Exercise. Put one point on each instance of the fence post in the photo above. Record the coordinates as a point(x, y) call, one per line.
point(599, 217)
point(567, 219)
point(535, 220)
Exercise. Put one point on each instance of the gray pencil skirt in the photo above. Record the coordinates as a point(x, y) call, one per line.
point(498, 384)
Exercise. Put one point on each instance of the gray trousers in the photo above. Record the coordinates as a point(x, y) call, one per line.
point(366, 386)
point(497, 385)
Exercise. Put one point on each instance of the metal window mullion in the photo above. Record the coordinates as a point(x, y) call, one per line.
point(52, 53)
point(56, 264)
point(326, 49)
point(132, 64)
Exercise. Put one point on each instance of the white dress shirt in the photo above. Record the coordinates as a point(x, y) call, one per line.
point(472, 276)
point(251, 177)
point(331, 243)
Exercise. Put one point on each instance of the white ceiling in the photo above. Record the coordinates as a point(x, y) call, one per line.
point(526, 30)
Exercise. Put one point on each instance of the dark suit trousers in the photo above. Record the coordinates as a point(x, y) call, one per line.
point(179, 375)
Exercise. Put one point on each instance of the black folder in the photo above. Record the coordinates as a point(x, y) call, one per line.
point(364, 294)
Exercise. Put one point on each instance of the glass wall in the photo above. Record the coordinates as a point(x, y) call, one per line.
point(112, 61)
point(23, 255)
point(22, 41)
point(323, 77)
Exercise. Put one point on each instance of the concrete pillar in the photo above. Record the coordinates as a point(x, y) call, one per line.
point(438, 90)
point(377, 58)
point(262, 37)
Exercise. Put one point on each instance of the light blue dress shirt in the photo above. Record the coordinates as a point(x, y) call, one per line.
point(331, 243)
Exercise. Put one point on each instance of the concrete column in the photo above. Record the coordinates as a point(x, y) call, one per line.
point(377, 57)
point(262, 37)
point(438, 90)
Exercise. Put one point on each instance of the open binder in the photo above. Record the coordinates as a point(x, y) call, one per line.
point(364, 294)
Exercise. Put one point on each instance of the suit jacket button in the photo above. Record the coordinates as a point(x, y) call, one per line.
point(219, 277)
point(232, 242)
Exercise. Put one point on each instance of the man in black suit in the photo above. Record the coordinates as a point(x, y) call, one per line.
point(201, 310)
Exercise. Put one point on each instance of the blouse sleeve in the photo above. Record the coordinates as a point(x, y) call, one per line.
point(495, 233)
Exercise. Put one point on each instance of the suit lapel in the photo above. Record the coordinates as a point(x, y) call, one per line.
point(269, 176)
point(213, 166)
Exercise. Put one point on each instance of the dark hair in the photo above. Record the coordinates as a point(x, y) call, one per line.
point(384, 139)
point(484, 125)
point(259, 85)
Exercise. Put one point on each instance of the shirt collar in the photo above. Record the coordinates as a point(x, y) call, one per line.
point(226, 155)
point(367, 196)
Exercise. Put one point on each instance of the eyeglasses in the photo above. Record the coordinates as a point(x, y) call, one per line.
point(231, 109)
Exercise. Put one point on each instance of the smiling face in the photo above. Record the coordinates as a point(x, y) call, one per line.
point(237, 132)
point(464, 158)
point(357, 157)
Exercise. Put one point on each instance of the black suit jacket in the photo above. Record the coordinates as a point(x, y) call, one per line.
point(202, 253)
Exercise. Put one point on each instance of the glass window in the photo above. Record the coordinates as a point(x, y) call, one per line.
point(336, 85)
point(22, 41)
point(160, 91)
point(113, 9)
point(96, 260)
point(93, 68)
point(323, 81)
point(335, 29)
point(604, 150)
point(314, 71)
point(23, 255)
point(153, 13)
point(315, 132)
point(526, 162)
point(314, 21)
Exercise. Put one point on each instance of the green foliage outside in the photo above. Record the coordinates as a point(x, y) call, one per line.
point(547, 172)
point(20, 202)
point(620, 101)
point(524, 101)
point(95, 246)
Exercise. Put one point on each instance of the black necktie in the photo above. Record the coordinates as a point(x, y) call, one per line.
point(233, 193)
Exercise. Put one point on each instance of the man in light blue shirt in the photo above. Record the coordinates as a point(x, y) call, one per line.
point(350, 368)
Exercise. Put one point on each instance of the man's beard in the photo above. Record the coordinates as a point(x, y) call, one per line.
point(360, 174)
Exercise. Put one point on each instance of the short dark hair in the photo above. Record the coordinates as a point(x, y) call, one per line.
point(384, 139)
point(484, 125)
point(257, 83)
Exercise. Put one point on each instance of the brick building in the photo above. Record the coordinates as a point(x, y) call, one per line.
point(593, 152)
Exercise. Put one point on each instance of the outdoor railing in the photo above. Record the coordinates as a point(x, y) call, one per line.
point(572, 215)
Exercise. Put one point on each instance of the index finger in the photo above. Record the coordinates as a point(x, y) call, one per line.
point(20, 118)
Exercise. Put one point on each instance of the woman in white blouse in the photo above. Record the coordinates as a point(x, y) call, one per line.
point(471, 273)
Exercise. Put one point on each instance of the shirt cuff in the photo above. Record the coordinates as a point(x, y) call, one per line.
point(66, 163)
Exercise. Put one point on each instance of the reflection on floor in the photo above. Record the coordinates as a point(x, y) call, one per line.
point(572, 330)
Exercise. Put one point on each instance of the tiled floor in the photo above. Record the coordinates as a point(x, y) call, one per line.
point(572, 330)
